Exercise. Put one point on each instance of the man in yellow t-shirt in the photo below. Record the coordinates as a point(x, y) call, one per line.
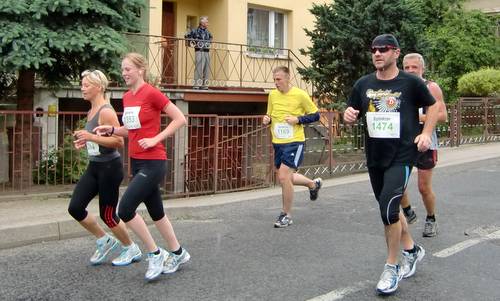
point(288, 109)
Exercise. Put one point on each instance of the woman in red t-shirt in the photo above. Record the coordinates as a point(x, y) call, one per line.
point(142, 107)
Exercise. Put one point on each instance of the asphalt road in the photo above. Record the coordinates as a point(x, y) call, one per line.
point(335, 250)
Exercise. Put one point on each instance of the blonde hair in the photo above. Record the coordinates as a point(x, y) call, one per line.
point(417, 56)
point(283, 69)
point(139, 61)
point(96, 78)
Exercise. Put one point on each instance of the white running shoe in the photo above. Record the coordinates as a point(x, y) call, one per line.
point(409, 261)
point(128, 255)
point(173, 261)
point(156, 263)
point(389, 279)
point(105, 245)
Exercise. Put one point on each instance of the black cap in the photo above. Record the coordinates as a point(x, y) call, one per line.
point(385, 40)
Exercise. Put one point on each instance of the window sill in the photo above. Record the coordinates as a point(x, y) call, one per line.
point(266, 56)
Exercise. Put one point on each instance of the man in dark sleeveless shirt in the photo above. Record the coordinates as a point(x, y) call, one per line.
point(414, 63)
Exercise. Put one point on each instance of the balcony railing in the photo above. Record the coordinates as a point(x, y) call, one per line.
point(172, 63)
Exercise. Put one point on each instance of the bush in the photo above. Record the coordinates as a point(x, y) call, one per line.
point(7, 86)
point(482, 83)
point(64, 165)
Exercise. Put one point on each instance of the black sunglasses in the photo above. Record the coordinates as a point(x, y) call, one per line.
point(382, 49)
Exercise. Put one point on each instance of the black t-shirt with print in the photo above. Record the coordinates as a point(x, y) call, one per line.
point(404, 94)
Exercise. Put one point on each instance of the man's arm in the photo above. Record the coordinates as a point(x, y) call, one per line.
point(350, 115)
point(267, 118)
point(431, 119)
point(438, 96)
point(423, 140)
point(311, 112)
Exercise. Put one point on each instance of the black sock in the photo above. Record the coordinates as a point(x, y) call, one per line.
point(431, 218)
point(407, 209)
point(156, 252)
point(178, 252)
point(413, 250)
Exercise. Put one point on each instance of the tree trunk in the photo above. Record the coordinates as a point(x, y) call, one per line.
point(22, 152)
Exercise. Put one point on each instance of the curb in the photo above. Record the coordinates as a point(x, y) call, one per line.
point(69, 228)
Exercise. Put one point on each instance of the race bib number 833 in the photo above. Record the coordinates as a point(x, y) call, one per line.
point(130, 118)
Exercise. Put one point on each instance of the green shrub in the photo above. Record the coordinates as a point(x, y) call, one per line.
point(482, 83)
point(64, 165)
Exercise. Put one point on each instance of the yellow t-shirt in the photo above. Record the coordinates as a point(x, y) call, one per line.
point(295, 102)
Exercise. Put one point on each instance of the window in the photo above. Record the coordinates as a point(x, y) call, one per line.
point(265, 28)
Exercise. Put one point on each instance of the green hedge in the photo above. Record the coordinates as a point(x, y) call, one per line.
point(64, 165)
point(482, 83)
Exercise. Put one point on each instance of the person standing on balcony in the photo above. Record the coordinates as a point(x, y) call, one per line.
point(102, 176)
point(143, 105)
point(414, 63)
point(288, 109)
point(200, 38)
point(388, 101)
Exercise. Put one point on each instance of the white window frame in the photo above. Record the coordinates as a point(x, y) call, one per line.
point(271, 32)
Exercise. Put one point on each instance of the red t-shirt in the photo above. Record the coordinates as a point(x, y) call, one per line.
point(142, 118)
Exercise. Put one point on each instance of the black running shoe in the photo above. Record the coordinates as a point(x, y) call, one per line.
point(313, 193)
point(410, 215)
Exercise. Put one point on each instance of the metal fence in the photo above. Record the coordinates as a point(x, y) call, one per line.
point(213, 153)
point(172, 63)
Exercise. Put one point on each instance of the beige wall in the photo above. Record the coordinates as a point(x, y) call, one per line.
point(228, 18)
point(155, 14)
point(298, 17)
point(228, 24)
point(488, 6)
point(216, 10)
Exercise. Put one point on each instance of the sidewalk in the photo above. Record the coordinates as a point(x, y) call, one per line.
point(45, 217)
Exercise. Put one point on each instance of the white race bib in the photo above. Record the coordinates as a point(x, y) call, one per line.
point(92, 148)
point(383, 124)
point(130, 118)
point(283, 130)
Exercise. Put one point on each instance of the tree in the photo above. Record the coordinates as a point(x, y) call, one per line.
point(433, 12)
point(464, 42)
point(341, 39)
point(56, 40)
point(343, 33)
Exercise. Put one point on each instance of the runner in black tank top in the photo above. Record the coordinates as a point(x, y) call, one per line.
point(102, 177)
point(414, 63)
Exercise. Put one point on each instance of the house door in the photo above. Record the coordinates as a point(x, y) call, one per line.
point(168, 44)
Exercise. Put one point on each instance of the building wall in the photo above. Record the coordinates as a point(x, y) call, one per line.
point(228, 18)
point(298, 18)
point(487, 6)
point(216, 10)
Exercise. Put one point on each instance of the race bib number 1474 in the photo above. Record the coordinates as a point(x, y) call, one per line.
point(383, 124)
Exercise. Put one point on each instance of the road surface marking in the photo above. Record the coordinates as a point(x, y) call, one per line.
point(341, 292)
point(466, 244)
